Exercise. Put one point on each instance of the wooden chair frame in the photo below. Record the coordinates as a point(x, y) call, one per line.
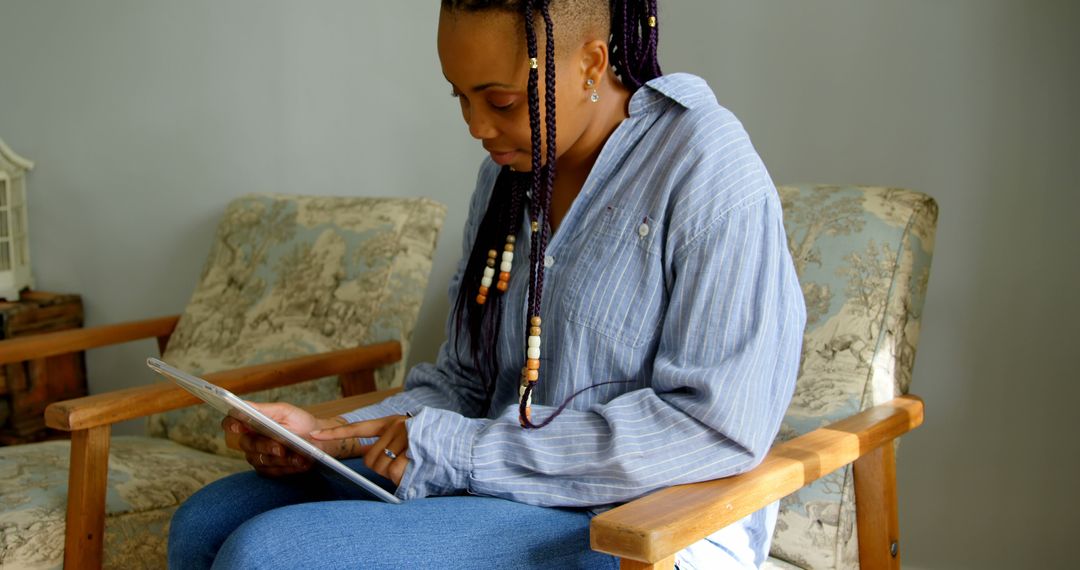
point(645, 533)
point(90, 419)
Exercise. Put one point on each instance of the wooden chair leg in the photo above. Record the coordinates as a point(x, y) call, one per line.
point(83, 541)
point(665, 564)
point(876, 510)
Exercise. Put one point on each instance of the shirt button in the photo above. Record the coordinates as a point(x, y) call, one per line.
point(643, 230)
point(549, 261)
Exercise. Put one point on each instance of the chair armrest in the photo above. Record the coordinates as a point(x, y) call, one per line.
point(75, 340)
point(657, 526)
point(345, 405)
point(130, 403)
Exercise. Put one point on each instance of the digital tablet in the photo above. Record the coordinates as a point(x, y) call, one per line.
point(229, 404)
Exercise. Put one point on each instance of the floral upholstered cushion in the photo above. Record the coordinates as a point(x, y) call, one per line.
point(863, 259)
point(148, 479)
point(296, 275)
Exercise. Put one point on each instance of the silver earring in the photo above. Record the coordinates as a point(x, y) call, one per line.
point(592, 85)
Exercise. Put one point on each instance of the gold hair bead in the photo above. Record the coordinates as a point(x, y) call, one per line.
point(652, 21)
point(534, 321)
point(535, 227)
point(533, 64)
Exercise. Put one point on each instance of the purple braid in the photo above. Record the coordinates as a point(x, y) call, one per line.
point(634, 41)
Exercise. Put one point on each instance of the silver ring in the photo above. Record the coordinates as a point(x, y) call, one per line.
point(389, 453)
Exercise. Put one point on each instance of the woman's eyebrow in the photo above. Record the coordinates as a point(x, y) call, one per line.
point(489, 85)
point(483, 86)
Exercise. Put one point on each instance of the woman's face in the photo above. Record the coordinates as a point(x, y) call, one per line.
point(485, 59)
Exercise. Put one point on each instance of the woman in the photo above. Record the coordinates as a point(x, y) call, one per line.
point(626, 318)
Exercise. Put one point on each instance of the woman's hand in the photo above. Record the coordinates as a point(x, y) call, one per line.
point(269, 457)
point(392, 438)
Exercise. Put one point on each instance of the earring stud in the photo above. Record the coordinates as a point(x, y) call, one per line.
point(592, 85)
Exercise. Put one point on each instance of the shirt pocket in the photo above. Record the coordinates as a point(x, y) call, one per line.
point(616, 284)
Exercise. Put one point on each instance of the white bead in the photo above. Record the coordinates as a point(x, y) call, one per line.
point(521, 392)
point(506, 266)
point(489, 272)
point(549, 261)
point(534, 353)
point(508, 256)
point(643, 230)
point(485, 282)
point(534, 342)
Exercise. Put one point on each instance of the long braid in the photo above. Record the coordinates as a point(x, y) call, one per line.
point(543, 230)
point(635, 35)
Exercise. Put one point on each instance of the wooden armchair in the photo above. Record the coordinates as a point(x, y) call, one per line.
point(90, 419)
point(292, 285)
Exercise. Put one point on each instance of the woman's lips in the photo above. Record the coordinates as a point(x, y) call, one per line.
point(503, 158)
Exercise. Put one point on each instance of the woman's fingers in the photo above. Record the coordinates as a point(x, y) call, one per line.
point(377, 458)
point(397, 468)
point(277, 466)
point(367, 428)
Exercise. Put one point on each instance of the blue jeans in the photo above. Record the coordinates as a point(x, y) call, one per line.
point(315, 520)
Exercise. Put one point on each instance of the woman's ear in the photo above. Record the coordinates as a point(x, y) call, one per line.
point(594, 61)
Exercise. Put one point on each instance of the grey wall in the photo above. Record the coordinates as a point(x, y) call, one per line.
point(146, 117)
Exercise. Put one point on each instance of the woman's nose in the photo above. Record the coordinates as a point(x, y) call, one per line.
point(480, 127)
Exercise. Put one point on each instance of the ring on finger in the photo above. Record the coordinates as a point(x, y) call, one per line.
point(389, 453)
point(260, 459)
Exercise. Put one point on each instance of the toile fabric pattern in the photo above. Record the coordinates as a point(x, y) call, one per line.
point(148, 479)
point(863, 258)
point(296, 275)
point(287, 276)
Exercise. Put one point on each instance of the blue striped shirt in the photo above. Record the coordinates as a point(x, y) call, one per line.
point(671, 272)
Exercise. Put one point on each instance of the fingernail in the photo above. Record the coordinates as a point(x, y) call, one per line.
point(295, 461)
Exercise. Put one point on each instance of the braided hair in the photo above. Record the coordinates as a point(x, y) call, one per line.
point(633, 48)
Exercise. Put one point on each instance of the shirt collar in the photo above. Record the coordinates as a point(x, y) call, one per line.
point(687, 90)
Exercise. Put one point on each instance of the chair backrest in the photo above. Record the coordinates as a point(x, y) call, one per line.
point(863, 258)
point(294, 275)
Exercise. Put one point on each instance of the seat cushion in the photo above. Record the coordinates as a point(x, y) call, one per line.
point(148, 479)
point(863, 258)
point(291, 276)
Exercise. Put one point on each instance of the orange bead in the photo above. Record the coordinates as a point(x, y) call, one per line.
point(533, 375)
point(533, 364)
point(483, 290)
point(481, 299)
point(502, 286)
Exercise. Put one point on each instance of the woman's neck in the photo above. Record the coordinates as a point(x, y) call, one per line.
point(573, 168)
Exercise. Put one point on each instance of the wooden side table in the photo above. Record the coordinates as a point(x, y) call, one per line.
point(26, 388)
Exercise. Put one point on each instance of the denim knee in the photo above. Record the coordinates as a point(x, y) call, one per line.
point(188, 546)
